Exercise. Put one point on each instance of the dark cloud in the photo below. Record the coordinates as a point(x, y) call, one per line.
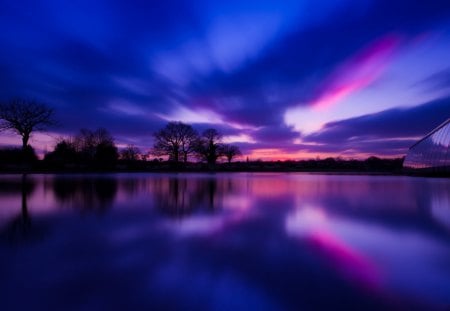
point(388, 132)
point(276, 135)
point(291, 69)
point(88, 57)
point(437, 81)
point(357, 148)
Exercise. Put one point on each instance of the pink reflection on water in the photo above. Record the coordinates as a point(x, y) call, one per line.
point(350, 263)
point(312, 225)
point(236, 209)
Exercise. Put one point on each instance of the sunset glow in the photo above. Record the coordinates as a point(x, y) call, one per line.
point(281, 80)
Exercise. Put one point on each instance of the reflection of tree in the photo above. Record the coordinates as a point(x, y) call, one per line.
point(10, 186)
point(132, 187)
point(85, 193)
point(182, 196)
point(20, 226)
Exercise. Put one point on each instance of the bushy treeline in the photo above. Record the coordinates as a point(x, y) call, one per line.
point(18, 157)
point(64, 157)
point(177, 146)
point(94, 149)
point(371, 164)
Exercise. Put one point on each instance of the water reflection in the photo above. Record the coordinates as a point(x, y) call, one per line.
point(18, 184)
point(228, 241)
point(180, 196)
point(19, 228)
point(440, 205)
point(85, 193)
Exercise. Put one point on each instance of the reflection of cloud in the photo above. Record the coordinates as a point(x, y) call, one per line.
point(305, 220)
point(201, 225)
point(312, 225)
point(210, 290)
point(237, 202)
point(218, 196)
point(198, 225)
point(440, 205)
point(229, 259)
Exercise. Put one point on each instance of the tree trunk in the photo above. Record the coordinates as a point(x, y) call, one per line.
point(25, 138)
point(175, 156)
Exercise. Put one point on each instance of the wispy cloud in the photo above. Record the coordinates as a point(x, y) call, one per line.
point(244, 67)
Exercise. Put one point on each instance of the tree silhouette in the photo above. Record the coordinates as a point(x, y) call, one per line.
point(24, 117)
point(94, 148)
point(64, 153)
point(97, 147)
point(130, 153)
point(176, 140)
point(230, 151)
point(209, 147)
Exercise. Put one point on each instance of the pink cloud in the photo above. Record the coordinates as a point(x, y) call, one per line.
point(358, 72)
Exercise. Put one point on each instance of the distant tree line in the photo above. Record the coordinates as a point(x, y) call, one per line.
point(179, 143)
point(88, 148)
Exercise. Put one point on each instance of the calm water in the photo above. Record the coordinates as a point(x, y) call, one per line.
point(224, 242)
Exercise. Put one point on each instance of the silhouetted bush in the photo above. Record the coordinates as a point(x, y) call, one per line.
point(64, 153)
point(92, 149)
point(12, 157)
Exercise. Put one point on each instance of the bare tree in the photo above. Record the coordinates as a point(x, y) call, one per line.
point(130, 153)
point(176, 140)
point(93, 148)
point(97, 146)
point(230, 151)
point(209, 146)
point(24, 117)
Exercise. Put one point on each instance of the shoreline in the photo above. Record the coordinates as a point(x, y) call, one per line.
point(221, 171)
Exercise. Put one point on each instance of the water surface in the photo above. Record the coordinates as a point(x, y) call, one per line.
point(224, 242)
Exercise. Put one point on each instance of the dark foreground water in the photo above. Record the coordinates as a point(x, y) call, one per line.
point(224, 242)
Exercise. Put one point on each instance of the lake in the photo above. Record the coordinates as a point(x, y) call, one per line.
point(238, 241)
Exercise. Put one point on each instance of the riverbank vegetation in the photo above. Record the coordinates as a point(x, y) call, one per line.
point(176, 147)
point(11, 162)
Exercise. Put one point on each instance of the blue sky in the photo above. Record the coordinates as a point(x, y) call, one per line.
point(282, 79)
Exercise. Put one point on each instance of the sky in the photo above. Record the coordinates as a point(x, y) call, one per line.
point(280, 79)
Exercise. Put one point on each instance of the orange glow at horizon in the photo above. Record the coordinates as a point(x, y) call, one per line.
point(276, 154)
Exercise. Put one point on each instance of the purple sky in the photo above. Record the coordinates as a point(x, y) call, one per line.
point(281, 79)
